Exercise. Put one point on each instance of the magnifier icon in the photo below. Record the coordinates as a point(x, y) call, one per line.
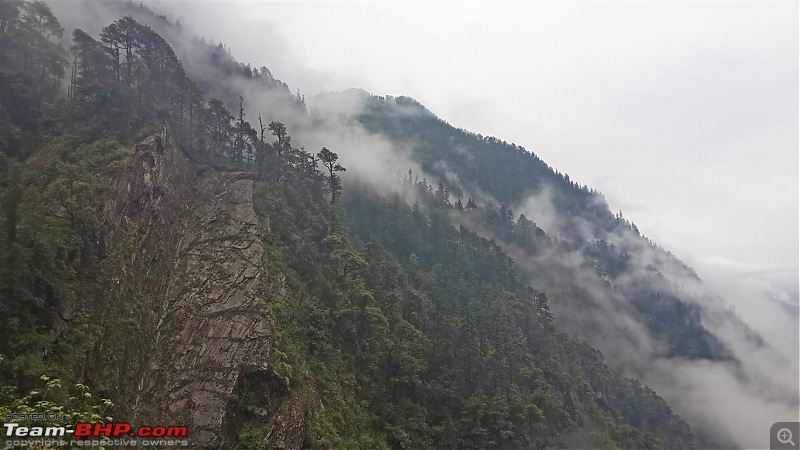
point(785, 436)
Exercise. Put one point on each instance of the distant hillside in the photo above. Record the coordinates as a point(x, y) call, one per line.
point(499, 178)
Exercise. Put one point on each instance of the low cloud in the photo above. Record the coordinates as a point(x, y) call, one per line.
point(734, 401)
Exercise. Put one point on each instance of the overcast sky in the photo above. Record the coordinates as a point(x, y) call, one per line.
point(683, 113)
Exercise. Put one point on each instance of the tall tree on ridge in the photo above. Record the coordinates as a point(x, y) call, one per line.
point(328, 159)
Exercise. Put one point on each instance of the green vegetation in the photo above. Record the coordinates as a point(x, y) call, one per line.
point(508, 175)
point(415, 334)
point(60, 405)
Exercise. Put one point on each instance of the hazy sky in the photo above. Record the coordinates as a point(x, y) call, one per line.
point(683, 113)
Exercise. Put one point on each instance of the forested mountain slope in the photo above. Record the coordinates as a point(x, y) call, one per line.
point(185, 263)
point(486, 179)
point(645, 309)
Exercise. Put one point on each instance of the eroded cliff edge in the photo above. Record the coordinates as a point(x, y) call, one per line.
point(183, 238)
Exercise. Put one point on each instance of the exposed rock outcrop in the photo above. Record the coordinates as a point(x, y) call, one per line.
point(198, 258)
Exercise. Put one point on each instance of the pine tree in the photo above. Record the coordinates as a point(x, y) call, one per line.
point(328, 159)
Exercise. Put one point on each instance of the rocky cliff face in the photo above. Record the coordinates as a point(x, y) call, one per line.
point(189, 243)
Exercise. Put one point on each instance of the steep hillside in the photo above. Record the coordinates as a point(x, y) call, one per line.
point(646, 310)
point(186, 247)
point(571, 224)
